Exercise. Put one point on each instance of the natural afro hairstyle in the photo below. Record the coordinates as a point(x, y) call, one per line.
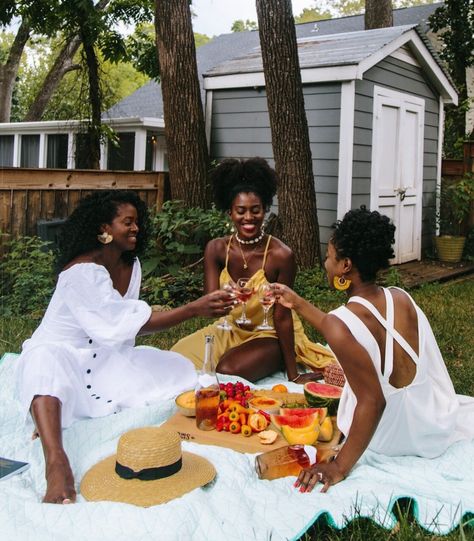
point(78, 235)
point(366, 238)
point(232, 177)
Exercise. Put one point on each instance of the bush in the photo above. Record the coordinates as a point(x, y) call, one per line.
point(178, 237)
point(27, 276)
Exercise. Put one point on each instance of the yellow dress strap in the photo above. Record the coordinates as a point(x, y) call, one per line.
point(227, 251)
point(266, 250)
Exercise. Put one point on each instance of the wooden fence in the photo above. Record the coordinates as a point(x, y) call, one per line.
point(452, 170)
point(30, 195)
point(455, 169)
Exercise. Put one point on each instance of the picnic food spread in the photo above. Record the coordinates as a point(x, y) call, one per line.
point(244, 423)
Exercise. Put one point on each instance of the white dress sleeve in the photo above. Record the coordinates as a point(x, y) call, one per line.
point(105, 316)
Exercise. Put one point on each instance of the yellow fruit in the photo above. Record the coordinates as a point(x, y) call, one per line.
point(326, 430)
point(186, 403)
point(300, 436)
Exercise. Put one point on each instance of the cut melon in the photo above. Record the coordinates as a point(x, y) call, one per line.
point(303, 412)
point(295, 421)
point(186, 403)
point(300, 436)
point(322, 395)
point(326, 430)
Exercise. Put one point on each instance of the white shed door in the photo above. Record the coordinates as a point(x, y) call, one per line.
point(397, 167)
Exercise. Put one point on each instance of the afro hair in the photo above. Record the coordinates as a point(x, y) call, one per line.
point(78, 235)
point(232, 177)
point(366, 238)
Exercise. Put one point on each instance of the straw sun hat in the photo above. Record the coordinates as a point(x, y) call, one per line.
point(148, 469)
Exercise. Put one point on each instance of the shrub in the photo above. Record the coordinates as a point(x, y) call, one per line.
point(179, 236)
point(27, 277)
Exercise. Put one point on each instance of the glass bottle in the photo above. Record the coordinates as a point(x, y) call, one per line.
point(207, 389)
point(285, 461)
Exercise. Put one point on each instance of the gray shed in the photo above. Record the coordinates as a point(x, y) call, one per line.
point(374, 102)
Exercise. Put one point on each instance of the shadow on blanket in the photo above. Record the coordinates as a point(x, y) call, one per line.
point(441, 488)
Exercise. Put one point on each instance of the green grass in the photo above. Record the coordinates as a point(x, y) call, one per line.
point(450, 310)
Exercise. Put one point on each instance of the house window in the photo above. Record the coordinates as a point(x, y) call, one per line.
point(56, 154)
point(122, 156)
point(6, 150)
point(29, 155)
point(151, 144)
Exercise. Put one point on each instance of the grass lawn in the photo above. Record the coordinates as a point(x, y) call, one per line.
point(450, 309)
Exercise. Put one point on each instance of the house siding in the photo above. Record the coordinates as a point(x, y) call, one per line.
point(241, 129)
point(403, 77)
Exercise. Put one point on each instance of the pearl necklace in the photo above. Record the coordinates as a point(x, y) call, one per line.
point(251, 241)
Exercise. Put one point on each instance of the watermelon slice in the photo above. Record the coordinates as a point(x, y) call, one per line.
point(304, 412)
point(295, 421)
point(322, 395)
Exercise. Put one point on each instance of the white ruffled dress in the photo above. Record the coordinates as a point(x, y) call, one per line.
point(425, 417)
point(84, 353)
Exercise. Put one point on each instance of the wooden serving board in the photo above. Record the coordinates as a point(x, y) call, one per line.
point(188, 431)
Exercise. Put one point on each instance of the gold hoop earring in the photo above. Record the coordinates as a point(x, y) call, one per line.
point(105, 238)
point(341, 283)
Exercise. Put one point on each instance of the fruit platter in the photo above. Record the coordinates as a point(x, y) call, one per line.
point(255, 420)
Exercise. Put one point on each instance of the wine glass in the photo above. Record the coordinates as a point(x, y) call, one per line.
point(243, 293)
point(267, 300)
point(229, 287)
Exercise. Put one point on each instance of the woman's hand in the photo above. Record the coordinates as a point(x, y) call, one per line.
point(285, 295)
point(217, 303)
point(325, 474)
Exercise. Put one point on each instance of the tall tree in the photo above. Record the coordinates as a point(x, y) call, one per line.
point(184, 119)
point(9, 70)
point(63, 64)
point(378, 14)
point(309, 15)
point(289, 127)
point(455, 23)
point(242, 26)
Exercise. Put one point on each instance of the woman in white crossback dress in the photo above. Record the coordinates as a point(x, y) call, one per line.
point(82, 362)
point(398, 398)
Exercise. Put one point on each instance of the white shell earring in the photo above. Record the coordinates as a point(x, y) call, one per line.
point(105, 238)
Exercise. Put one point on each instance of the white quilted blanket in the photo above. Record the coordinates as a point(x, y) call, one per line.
point(237, 506)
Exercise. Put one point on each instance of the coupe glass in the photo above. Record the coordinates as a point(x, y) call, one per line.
point(243, 293)
point(230, 288)
point(267, 300)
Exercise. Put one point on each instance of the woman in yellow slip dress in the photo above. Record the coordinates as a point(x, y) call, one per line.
point(245, 189)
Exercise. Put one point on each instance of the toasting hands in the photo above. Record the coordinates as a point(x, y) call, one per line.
point(215, 304)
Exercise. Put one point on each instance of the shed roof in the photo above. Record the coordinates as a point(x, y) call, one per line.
point(347, 48)
point(147, 100)
point(339, 57)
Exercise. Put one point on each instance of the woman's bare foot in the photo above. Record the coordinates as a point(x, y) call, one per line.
point(59, 481)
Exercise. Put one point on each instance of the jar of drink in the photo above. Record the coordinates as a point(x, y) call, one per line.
point(285, 461)
point(207, 390)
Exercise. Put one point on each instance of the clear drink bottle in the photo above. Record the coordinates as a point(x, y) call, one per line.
point(207, 389)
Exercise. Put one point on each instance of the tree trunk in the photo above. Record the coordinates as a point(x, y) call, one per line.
point(289, 127)
point(184, 120)
point(95, 102)
point(378, 14)
point(9, 71)
point(62, 65)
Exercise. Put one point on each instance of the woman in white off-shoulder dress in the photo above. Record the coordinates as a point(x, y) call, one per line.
point(82, 361)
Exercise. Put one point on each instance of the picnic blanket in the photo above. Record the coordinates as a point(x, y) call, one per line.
point(237, 506)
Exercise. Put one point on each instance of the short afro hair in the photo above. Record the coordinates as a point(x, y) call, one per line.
point(366, 238)
point(233, 176)
point(78, 235)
